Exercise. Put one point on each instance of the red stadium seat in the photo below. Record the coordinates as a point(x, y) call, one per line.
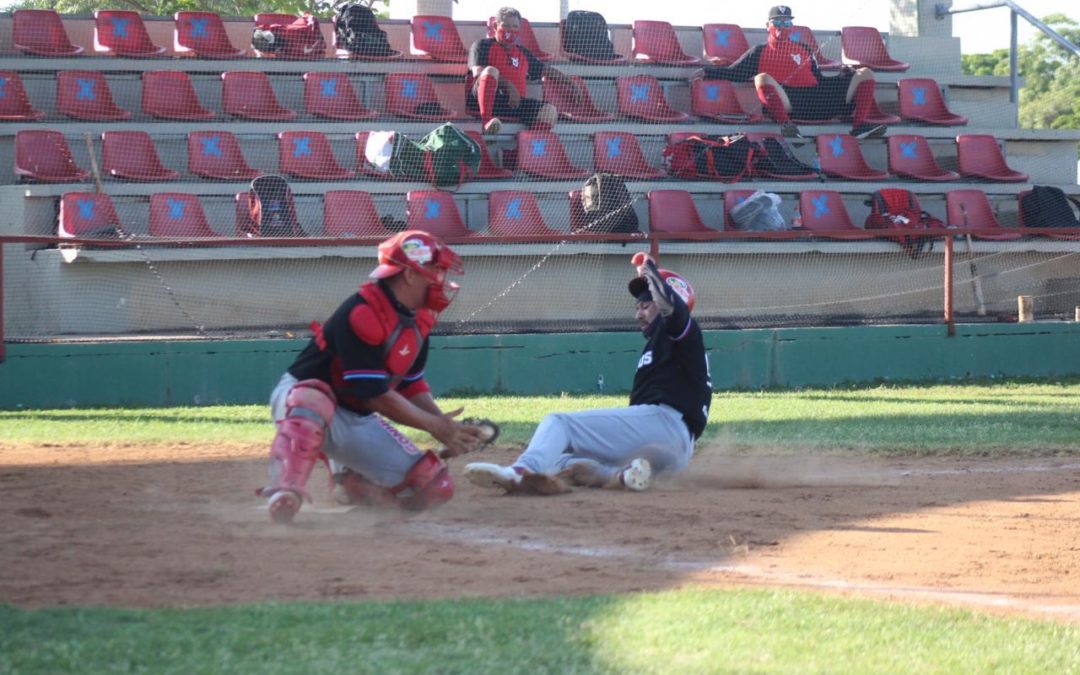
point(910, 157)
point(970, 209)
point(413, 95)
point(541, 153)
point(131, 155)
point(42, 155)
point(121, 32)
point(841, 157)
point(657, 42)
point(724, 43)
point(265, 19)
point(170, 95)
point(979, 156)
point(641, 97)
point(488, 167)
point(733, 198)
point(307, 154)
point(618, 152)
point(178, 214)
point(85, 95)
point(824, 214)
point(581, 110)
point(921, 101)
point(526, 38)
point(333, 96)
point(863, 46)
point(435, 212)
point(249, 95)
point(436, 37)
point(87, 214)
point(515, 213)
point(674, 211)
point(351, 213)
point(216, 154)
point(41, 32)
point(203, 34)
point(15, 105)
point(804, 35)
point(716, 100)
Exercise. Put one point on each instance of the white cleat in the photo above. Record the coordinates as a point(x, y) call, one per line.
point(637, 475)
point(488, 475)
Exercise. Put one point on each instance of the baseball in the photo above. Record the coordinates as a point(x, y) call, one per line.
point(639, 258)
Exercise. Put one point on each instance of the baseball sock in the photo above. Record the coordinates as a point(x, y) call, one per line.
point(485, 96)
point(865, 104)
point(774, 105)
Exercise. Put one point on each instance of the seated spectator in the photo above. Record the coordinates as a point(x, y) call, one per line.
point(789, 83)
point(498, 69)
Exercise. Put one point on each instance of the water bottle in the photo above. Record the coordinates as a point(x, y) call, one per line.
point(600, 383)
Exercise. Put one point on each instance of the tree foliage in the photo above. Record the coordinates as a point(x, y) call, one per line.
point(1050, 98)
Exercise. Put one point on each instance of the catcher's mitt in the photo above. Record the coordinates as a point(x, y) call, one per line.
point(489, 431)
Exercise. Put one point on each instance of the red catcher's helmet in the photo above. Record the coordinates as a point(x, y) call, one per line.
point(681, 286)
point(415, 249)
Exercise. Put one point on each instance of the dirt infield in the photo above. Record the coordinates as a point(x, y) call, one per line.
point(153, 526)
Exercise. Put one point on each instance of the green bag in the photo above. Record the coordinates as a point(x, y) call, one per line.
point(444, 157)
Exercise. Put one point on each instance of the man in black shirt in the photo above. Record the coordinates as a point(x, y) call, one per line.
point(623, 447)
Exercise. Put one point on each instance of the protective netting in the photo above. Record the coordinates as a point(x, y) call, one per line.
point(161, 154)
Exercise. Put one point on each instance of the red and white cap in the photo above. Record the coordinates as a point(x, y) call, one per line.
point(414, 248)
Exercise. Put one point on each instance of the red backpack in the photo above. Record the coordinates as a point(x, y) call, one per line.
point(301, 39)
point(897, 209)
point(723, 158)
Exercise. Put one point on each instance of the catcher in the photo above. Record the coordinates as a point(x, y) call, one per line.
point(623, 447)
point(363, 366)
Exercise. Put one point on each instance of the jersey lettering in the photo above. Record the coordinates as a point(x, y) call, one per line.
point(645, 359)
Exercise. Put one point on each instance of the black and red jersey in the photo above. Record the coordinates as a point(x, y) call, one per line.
point(515, 63)
point(369, 345)
point(791, 64)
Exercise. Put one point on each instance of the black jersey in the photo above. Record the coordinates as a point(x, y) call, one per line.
point(674, 369)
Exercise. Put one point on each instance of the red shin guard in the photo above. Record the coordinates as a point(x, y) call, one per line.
point(865, 103)
point(310, 406)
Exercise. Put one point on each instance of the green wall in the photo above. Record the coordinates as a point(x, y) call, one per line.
point(160, 373)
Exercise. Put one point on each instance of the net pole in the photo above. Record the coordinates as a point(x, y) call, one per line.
point(3, 343)
point(949, 320)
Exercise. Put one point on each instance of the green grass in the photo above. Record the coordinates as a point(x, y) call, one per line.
point(686, 631)
point(991, 418)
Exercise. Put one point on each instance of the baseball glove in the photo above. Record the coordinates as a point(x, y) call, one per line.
point(489, 431)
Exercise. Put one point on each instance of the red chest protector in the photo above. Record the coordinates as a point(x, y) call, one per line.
point(398, 336)
point(789, 64)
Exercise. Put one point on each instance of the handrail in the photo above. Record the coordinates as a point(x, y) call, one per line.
point(943, 9)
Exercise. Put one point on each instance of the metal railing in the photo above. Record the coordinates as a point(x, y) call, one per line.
point(943, 9)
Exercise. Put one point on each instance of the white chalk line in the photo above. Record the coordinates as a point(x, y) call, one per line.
point(494, 537)
point(491, 536)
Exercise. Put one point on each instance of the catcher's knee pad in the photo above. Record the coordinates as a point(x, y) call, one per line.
point(309, 409)
point(427, 484)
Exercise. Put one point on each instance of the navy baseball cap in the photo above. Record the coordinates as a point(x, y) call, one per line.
point(780, 12)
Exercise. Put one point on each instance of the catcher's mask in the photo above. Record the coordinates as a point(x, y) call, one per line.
point(639, 288)
point(425, 254)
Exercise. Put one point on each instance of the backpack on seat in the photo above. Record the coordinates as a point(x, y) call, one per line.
point(271, 209)
point(897, 209)
point(723, 158)
point(607, 204)
point(1048, 206)
point(301, 39)
point(774, 158)
point(586, 34)
point(358, 32)
point(446, 156)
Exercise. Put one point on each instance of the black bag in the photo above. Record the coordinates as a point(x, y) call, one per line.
point(1048, 206)
point(725, 158)
point(359, 32)
point(895, 208)
point(607, 204)
point(774, 158)
point(271, 208)
point(586, 34)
